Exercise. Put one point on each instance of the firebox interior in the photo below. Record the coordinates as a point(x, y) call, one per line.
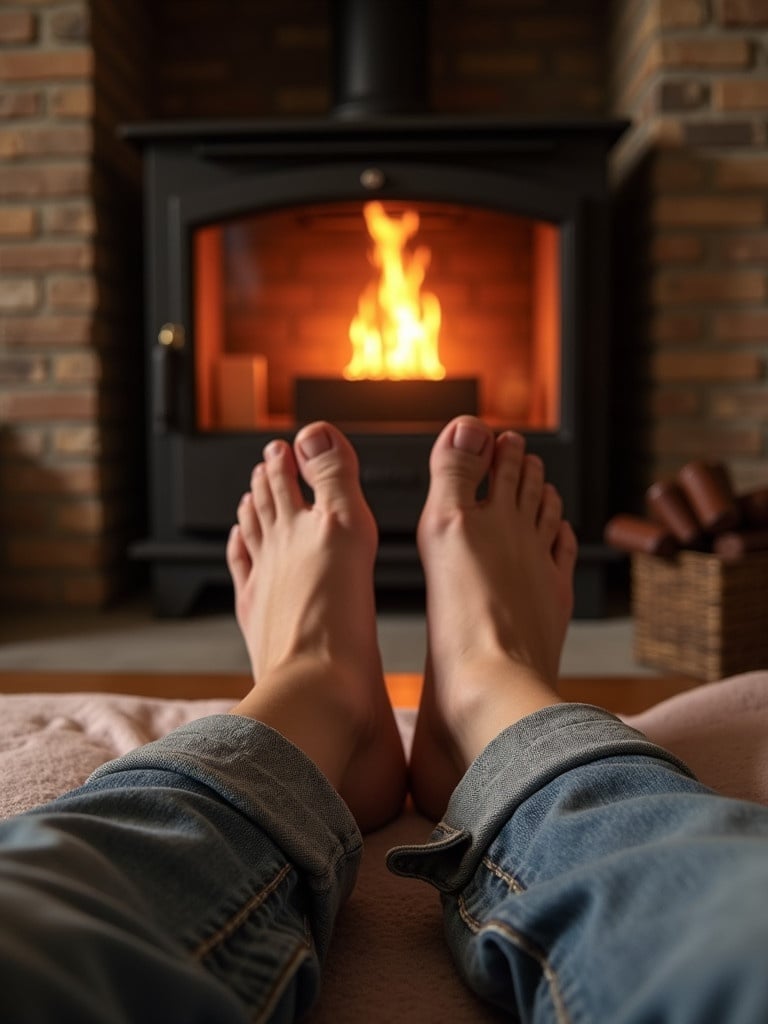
point(276, 291)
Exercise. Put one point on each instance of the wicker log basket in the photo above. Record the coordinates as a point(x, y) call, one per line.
point(700, 616)
point(699, 575)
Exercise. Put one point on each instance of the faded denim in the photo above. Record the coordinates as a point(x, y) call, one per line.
point(586, 876)
point(195, 879)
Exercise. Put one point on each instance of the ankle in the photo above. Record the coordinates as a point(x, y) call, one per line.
point(487, 695)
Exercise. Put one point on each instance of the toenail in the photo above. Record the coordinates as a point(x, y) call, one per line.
point(469, 439)
point(273, 449)
point(315, 443)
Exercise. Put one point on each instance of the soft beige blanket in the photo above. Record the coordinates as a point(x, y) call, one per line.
point(388, 961)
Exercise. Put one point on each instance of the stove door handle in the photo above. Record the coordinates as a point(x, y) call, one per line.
point(165, 371)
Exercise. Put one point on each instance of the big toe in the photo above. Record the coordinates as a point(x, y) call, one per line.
point(329, 465)
point(461, 456)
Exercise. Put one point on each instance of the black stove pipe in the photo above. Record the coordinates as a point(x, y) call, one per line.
point(379, 57)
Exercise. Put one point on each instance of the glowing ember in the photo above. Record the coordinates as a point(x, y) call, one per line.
point(395, 332)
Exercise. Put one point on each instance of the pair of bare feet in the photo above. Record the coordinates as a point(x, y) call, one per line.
point(499, 598)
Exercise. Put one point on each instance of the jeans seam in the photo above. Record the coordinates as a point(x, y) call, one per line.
point(278, 987)
point(525, 945)
point(496, 869)
point(234, 922)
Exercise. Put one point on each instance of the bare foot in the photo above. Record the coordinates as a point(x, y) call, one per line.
point(303, 577)
point(499, 598)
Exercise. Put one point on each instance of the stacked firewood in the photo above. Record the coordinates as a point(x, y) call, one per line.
point(697, 510)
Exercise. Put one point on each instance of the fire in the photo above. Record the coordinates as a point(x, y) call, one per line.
point(394, 334)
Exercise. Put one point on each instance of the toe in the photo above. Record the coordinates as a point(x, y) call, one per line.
point(238, 558)
point(283, 475)
point(249, 532)
point(328, 463)
point(506, 468)
point(261, 496)
point(460, 458)
point(531, 486)
point(565, 548)
point(550, 514)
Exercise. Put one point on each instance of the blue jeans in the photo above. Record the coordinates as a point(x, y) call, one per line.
point(585, 876)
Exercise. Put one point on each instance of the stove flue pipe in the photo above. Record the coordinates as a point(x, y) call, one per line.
point(380, 64)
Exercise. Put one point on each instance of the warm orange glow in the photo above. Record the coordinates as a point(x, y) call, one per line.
point(395, 332)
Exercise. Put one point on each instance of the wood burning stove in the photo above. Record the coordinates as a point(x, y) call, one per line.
point(258, 256)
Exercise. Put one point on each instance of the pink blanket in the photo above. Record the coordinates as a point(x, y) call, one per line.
point(388, 960)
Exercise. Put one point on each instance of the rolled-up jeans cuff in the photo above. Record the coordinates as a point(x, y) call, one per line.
point(517, 763)
point(272, 782)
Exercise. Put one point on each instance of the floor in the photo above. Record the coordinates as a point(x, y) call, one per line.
point(130, 638)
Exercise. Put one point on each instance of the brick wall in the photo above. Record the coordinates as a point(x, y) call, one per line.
point(692, 235)
point(69, 298)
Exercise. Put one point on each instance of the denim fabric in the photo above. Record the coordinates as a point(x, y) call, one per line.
point(195, 879)
point(586, 876)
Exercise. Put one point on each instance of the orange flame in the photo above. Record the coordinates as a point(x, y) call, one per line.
point(394, 334)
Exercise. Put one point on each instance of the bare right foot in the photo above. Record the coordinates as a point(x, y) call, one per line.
point(499, 598)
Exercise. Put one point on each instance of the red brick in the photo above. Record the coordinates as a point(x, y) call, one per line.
point(72, 293)
point(83, 517)
point(740, 94)
point(705, 52)
point(752, 248)
point(18, 221)
point(742, 12)
point(45, 65)
point(45, 330)
point(18, 406)
point(68, 179)
point(689, 94)
point(707, 286)
point(675, 402)
point(25, 514)
point(746, 172)
point(46, 256)
point(47, 553)
point(681, 13)
point(706, 366)
point(17, 27)
point(742, 325)
point(76, 368)
point(22, 442)
point(81, 478)
point(676, 249)
point(71, 25)
point(81, 440)
point(718, 133)
point(18, 293)
point(21, 369)
point(676, 327)
point(70, 219)
point(74, 140)
point(20, 103)
point(701, 440)
point(708, 211)
point(75, 101)
point(741, 403)
point(88, 590)
point(671, 171)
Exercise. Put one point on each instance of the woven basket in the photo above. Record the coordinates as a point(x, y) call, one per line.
point(699, 616)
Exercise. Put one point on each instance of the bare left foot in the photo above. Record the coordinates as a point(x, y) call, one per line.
point(303, 577)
